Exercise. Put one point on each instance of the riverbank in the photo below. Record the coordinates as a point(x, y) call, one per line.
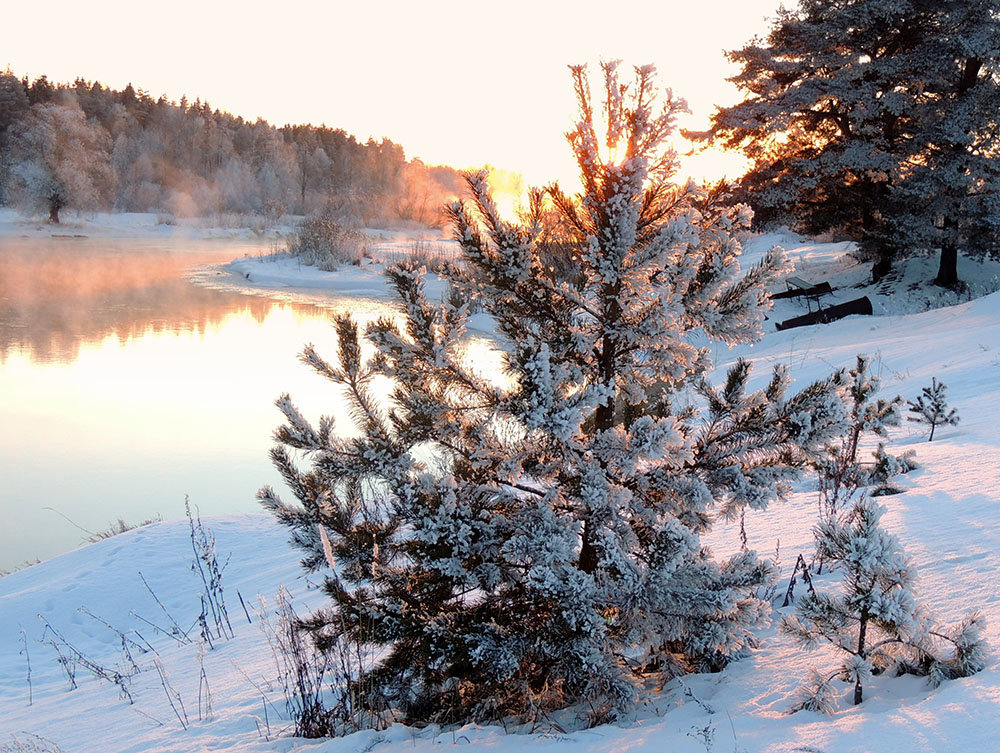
point(182, 694)
point(907, 290)
point(121, 225)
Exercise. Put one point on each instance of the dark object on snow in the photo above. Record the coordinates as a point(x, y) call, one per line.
point(799, 288)
point(800, 566)
point(829, 314)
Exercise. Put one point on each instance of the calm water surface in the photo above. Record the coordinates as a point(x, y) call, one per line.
point(125, 387)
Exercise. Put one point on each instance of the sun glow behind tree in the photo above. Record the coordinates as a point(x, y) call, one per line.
point(459, 86)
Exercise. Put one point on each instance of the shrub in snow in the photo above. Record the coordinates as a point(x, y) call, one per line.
point(931, 407)
point(840, 474)
point(326, 244)
point(319, 678)
point(873, 619)
point(887, 467)
point(522, 541)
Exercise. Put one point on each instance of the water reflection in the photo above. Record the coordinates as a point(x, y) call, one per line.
point(58, 295)
point(124, 387)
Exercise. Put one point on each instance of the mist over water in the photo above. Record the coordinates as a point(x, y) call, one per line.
point(125, 387)
point(59, 294)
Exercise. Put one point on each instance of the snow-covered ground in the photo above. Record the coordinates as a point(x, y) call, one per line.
point(948, 519)
point(907, 290)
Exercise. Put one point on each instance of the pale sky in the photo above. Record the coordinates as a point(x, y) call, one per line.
point(453, 83)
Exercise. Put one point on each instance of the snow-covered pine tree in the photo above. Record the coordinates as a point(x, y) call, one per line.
point(825, 120)
point(931, 407)
point(875, 610)
point(875, 117)
point(519, 542)
point(874, 619)
point(950, 197)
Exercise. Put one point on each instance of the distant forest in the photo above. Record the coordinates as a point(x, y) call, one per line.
point(85, 146)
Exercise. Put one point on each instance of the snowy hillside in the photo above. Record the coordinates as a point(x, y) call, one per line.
point(948, 520)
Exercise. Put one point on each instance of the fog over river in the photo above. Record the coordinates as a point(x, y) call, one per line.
point(124, 386)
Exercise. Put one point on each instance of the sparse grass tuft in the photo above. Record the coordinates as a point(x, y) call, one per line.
point(120, 526)
point(29, 743)
point(24, 565)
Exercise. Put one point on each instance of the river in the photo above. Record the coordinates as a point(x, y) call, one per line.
point(124, 387)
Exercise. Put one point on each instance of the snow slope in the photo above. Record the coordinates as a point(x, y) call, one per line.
point(948, 520)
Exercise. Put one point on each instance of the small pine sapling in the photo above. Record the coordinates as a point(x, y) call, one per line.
point(875, 609)
point(874, 619)
point(931, 407)
point(841, 476)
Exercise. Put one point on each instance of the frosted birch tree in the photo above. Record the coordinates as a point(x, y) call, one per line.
point(58, 159)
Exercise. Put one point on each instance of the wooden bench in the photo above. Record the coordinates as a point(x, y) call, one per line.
point(799, 288)
point(862, 306)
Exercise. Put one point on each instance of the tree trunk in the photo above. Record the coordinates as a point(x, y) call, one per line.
point(588, 554)
point(604, 416)
point(861, 652)
point(870, 237)
point(881, 267)
point(947, 276)
point(302, 183)
point(54, 213)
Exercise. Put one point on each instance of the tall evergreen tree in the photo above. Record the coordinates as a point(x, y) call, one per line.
point(13, 104)
point(13, 99)
point(950, 197)
point(532, 540)
point(875, 118)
